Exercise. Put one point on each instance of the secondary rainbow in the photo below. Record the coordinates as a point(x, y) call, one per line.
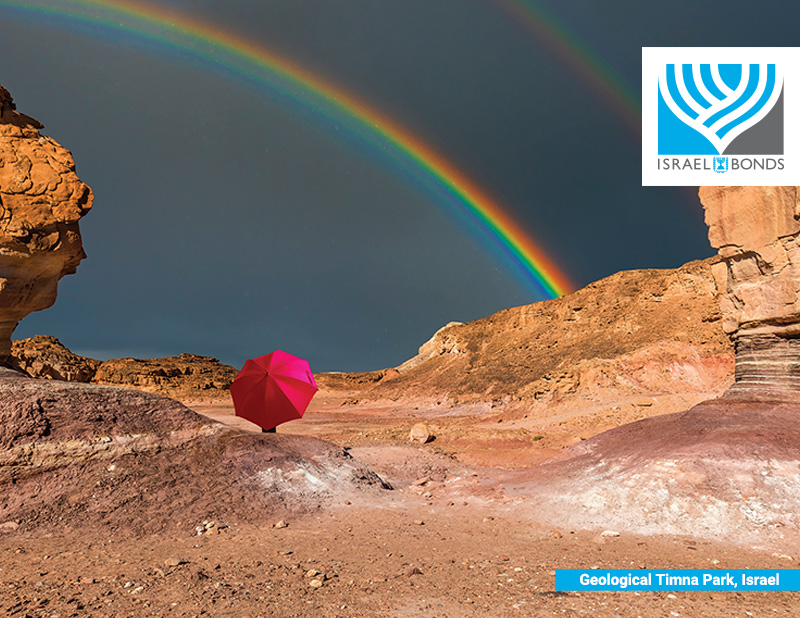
point(582, 59)
point(255, 61)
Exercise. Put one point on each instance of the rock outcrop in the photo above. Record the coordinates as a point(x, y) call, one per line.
point(102, 457)
point(187, 377)
point(631, 335)
point(723, 470)
point(756, 231)
point(46, 357)
point(41, 201)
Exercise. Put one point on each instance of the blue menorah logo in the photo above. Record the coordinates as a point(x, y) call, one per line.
point(719, 102)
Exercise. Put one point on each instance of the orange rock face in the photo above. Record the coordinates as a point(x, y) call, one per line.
point(41, 201)
point(756, 231)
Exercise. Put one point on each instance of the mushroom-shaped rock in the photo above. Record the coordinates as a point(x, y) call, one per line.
point(41, 201)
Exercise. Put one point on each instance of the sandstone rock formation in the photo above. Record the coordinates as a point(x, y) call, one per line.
point(187, 377)
point(41, 201)
point(756, 231)
point(45, 357)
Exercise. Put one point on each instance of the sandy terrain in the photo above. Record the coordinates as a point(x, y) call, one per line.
point(463, 560)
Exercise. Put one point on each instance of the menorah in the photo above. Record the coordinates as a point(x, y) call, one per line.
point(715, 107)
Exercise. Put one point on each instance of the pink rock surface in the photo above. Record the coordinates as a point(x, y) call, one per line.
point(725, 469)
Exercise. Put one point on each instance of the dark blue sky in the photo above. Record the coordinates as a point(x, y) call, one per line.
point(230, 223)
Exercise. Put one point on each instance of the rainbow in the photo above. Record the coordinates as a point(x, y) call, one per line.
point(232, 53)
point(587, 64)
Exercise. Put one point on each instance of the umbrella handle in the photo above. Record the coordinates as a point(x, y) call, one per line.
point(268, 430)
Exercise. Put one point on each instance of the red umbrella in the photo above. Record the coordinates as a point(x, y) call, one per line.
point(273, 389)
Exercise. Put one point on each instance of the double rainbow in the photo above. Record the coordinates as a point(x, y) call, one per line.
point(232, 53)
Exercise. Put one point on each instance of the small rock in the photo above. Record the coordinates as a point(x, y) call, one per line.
point(412, 570)
point(315, 583)
point(556, 534)
point(422, 481)
point(173, 562)
point(419, 522)
point(88, 580)
point(420, 433)
point(782, 556)
point(609, 533)
point(8, 526)
point(287, 552)
point(312, 573)
point(281, 524)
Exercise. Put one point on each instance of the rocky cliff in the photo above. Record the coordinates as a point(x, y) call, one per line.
point(41, 201)
point(756, 231)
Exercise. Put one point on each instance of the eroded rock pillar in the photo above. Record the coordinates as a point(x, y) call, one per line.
point(41, 201)
point(756, 231)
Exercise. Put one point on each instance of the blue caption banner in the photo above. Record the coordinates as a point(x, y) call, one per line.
point(677, 579)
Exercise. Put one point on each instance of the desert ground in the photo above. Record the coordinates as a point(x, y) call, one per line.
point(444, 541)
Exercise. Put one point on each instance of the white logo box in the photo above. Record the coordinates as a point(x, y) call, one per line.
point(787, 61)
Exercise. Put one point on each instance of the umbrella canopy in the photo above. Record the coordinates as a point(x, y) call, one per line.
point(273, 389)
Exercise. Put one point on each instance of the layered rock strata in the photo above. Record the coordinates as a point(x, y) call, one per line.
point(756, 231)
point(41, 201)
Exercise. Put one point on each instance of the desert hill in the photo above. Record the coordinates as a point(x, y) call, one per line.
point(633, 334)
